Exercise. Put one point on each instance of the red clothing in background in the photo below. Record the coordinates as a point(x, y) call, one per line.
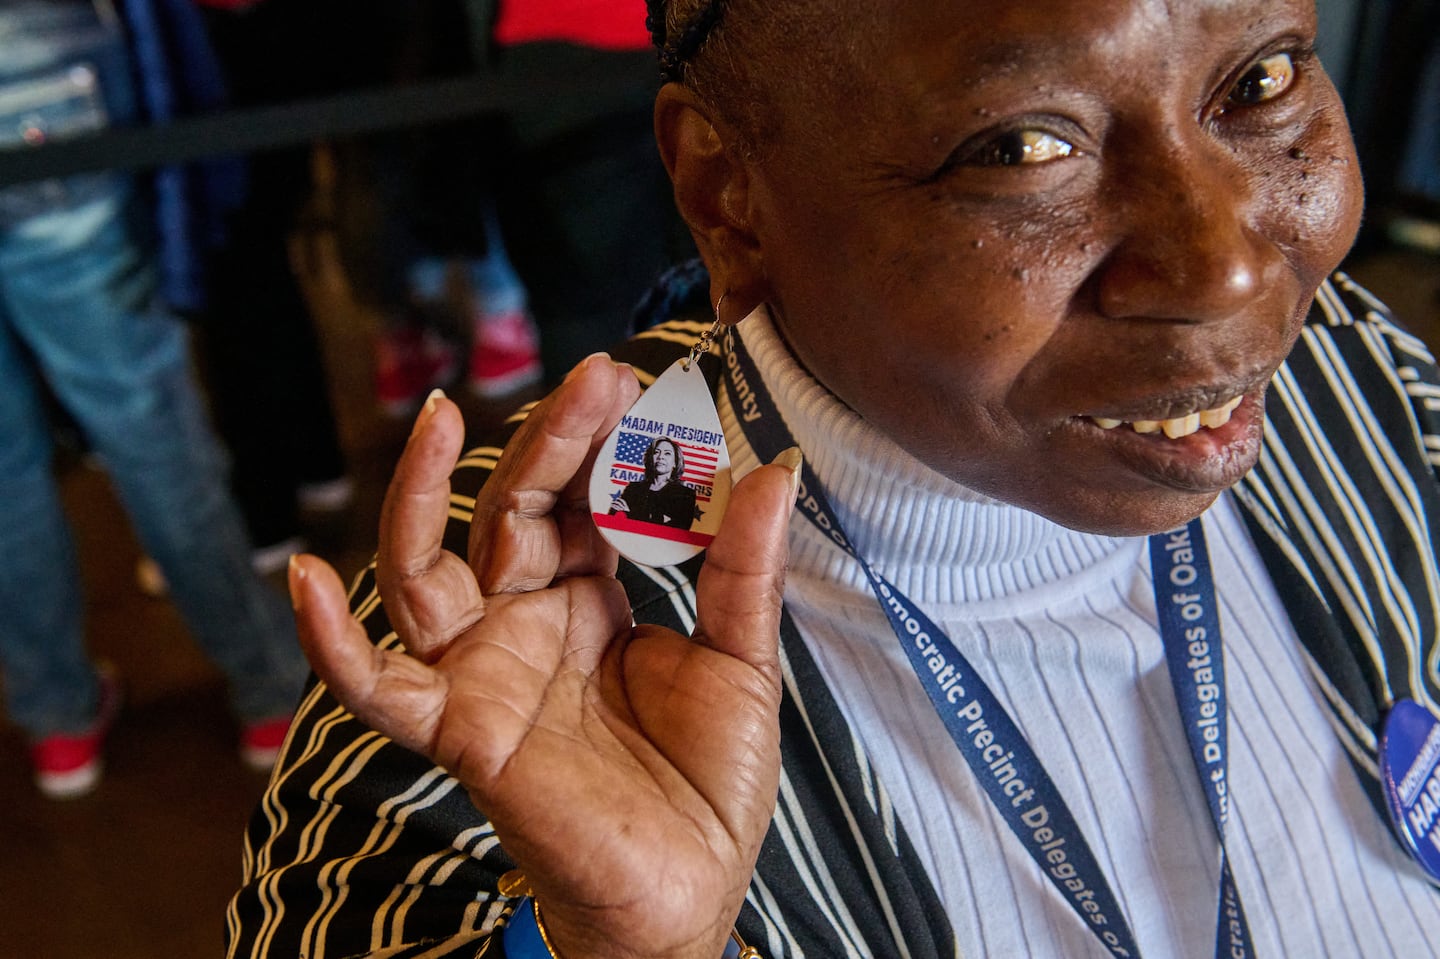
point(605, 24)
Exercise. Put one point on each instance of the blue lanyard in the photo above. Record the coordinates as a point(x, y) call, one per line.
point(1002, 761)
point(1190, 629)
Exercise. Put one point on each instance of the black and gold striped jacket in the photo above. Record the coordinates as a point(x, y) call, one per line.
point(362, 848)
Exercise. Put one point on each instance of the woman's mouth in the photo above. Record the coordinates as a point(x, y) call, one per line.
point(1196, 450)
point(1178, 426)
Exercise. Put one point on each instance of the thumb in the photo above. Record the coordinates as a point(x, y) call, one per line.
point(742, 583)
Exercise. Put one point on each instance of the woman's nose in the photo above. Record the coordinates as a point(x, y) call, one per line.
point(1192, 249)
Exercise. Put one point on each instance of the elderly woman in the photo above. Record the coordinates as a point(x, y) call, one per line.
point(1042, 291)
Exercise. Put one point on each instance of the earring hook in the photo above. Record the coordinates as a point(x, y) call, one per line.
point(708, 337)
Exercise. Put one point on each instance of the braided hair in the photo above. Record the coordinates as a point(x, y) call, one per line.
point(701, 43)
point(678, 43)
point(733, 53)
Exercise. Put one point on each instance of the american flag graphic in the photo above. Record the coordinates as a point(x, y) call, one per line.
point(700, 462)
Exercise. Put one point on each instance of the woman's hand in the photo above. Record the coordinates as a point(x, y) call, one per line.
point(630, 771)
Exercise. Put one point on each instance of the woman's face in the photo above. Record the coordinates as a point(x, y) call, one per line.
point(664, 460)
point(1031, 220)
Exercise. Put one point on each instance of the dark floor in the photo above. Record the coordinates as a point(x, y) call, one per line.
point(143, 867)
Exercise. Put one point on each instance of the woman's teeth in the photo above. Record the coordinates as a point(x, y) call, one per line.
point(1180, 425)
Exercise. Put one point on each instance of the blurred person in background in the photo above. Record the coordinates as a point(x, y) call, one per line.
point(549, 219)
point(81, 319)
point(420, 238)
point(264, 366)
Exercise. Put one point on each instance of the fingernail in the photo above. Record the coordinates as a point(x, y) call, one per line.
point(428, 410)
point(792, 461)
point(584, 363)
point(295, 579)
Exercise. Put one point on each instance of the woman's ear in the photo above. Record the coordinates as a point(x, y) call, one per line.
point(712, 192)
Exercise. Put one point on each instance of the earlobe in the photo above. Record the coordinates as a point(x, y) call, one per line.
point(711, 181)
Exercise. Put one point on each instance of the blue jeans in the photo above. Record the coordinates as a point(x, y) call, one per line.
point(79, 316)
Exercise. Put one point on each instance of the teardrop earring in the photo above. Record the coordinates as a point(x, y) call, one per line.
point(661, 482)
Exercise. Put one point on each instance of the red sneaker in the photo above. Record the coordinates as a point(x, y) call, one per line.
point(68, 765)
point(409, 363)
point(261, 742)
point(505, 357)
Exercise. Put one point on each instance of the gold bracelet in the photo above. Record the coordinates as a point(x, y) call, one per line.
point(746, 952)
point(544, 935)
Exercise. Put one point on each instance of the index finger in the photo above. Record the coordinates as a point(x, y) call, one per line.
point(430, 593)
point(527, 526)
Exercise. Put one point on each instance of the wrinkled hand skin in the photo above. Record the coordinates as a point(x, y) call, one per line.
point(630, 771)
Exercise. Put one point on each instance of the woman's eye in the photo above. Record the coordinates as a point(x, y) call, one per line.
point(1266, 80)
point(1021, 146)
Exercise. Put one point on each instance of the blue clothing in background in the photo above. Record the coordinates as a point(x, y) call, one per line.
point(80, 317)
point(179, 75)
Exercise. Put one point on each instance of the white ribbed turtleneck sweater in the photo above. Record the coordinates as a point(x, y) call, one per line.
point(1062, 627)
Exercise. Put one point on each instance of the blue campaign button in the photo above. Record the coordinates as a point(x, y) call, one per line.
point(1410, 771)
